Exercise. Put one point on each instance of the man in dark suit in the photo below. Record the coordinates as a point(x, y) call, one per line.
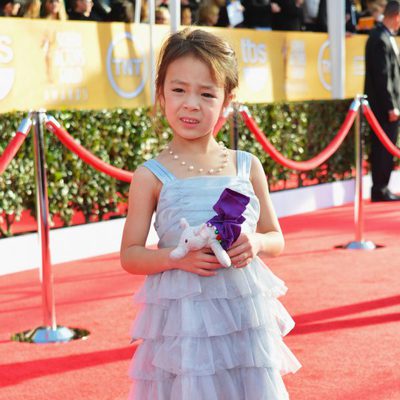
point(382, 86)
point(290, 16)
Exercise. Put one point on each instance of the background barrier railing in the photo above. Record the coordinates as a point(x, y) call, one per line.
point(50, 331)
point(313, 162)
point(69, 142)
point(355, 113)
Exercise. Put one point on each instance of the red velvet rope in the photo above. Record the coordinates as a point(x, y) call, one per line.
point(14, 144)
point(68, 141)
point(220, 123)
point(313, 162)
point(376, 127)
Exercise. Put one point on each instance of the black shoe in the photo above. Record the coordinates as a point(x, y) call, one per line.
point(383, 195)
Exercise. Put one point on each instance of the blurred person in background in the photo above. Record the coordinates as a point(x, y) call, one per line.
point(88, 10)
point(223, 19)
point(351, 16)
point(317, 20)
point(31, 9)
point(81, 10)
point(9, 8)
point(372, 6)
point(234, 14)
point(186, 15)
point(53, 9)
point(310, 15)
point(193, 5)
point(373, 14)
point(382, 86)
point(121, 11)
point(290, 16)
point(322, 17)
point(162, 16)
point(208, 13)
point(258, 13)
point(144, 12)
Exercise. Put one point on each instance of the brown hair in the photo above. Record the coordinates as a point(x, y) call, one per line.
point(61, 15)
point(215, 52)
point(206, 12)
point(392, 9)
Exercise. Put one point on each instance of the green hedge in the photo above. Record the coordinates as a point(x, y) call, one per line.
point(125, 138)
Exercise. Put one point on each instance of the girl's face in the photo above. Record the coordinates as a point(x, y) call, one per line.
point(192, 100)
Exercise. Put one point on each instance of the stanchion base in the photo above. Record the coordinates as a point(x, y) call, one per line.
point(44, 334)
point(363, 245)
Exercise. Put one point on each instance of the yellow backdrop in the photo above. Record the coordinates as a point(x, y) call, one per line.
point(85, 65)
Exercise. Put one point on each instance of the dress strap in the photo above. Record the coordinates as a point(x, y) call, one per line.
point(159, 171)
point(243, 162)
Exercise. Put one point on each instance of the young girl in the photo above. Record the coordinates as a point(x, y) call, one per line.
point(209, 333)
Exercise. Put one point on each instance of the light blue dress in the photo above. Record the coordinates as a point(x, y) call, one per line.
point(209, 338)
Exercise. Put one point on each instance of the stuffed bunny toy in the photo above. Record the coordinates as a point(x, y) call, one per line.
point(197, 237)
point(218, 233)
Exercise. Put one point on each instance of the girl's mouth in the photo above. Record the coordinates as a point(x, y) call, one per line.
point(189, 120)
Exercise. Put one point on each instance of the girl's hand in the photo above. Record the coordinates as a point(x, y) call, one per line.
point(244, 250)
point(201, 262)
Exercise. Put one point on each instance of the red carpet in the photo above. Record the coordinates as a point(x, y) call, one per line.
point(346, 305)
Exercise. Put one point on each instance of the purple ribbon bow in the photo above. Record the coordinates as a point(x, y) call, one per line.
point(229, 208)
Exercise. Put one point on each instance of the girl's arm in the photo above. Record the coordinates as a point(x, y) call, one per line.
point(135, 257)
point(268, 238)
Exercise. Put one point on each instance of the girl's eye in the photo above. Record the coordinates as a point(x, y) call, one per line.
point(177, 90)
point(209, 95)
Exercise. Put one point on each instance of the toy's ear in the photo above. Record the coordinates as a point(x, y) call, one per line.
point(183, 223)
point(203, 231)
point(199, 229)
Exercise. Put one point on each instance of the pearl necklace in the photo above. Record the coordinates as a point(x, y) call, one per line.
point(211, 171)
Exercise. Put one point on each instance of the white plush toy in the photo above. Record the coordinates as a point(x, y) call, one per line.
point(197, 237)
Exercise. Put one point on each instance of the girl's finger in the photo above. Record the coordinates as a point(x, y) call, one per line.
point(209, 258)
point(238, 251)
point(242, 260)
point(205, 272)
point(209, 266)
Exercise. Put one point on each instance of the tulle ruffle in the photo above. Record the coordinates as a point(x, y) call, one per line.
point(212, 338)
point(175, 356)
point(233, 384)
point(213, 317)
point(228, 284)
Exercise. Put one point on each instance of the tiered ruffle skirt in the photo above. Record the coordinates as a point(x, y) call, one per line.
point(212, 338)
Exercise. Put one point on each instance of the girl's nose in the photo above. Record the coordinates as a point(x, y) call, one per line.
point(191, 103)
